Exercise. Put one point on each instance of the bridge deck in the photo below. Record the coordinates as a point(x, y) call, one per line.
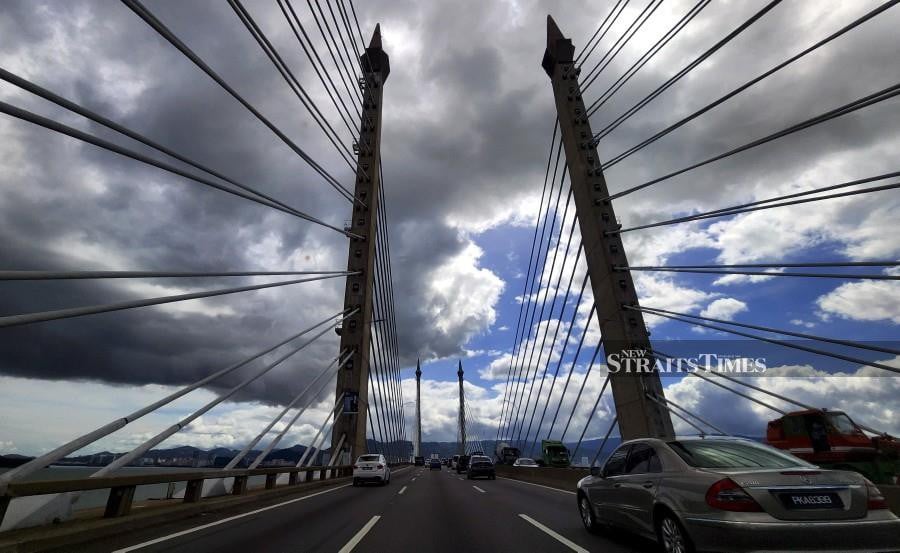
point(420, 510)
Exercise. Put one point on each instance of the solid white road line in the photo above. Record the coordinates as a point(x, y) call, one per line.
point(223, 521)
point(403, 489)
point(561, 539)
point(538, 485)
point(479, 489)
point(360, 535)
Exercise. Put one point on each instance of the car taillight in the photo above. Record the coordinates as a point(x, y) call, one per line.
point(728, 496)
point(381, 466)
point(355, 467)
point(875, 500)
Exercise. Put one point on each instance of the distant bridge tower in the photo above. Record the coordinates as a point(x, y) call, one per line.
point(622, 330)
point(462, 412)
point(349, 431)
point(418, 409)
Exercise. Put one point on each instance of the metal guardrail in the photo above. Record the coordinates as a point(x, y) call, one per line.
point(121, 488)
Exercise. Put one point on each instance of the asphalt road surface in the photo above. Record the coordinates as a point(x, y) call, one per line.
point(419, 511)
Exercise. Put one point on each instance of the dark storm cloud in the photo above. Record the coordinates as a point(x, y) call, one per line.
point(467, 117)
point(154, 220)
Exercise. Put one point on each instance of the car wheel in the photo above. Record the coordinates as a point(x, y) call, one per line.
point(588, 518)
point(672, 536)
point(355, 483)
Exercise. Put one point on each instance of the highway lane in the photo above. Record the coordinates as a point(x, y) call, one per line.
point(322, 520)
point(443, 513)
point(421, 510)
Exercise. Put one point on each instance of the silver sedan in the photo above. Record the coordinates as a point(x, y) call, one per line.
point(720, 494)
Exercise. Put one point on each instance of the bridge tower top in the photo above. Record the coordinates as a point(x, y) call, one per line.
point(349, 431)
point(418, 408)
point(462, 411)
point(621, 330)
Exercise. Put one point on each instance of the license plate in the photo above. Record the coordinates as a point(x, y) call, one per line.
point(811, 501)
point(367, 468)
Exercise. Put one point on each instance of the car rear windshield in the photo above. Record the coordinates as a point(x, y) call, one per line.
point(369, 458)
point(722, 454)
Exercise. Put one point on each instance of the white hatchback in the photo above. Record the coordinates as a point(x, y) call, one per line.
point(371, 468)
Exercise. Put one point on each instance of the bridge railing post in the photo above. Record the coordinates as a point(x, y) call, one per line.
point(194, 491)
point(119, 501)
point(240, 485)
point(270, 481)
point(622, 330)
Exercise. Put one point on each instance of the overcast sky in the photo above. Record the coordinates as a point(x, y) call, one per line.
point(468, 113)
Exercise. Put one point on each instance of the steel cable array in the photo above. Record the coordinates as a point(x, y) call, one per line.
point(518, 413)
point(386, 392)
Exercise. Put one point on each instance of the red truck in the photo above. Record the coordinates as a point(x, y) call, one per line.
point(832, 440)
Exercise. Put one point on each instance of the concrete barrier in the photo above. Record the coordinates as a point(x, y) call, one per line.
point(563, 479)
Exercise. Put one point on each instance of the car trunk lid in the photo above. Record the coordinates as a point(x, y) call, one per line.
point(804, 494)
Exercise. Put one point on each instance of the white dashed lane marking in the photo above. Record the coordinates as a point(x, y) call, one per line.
point(354, 541)
point(561, 539)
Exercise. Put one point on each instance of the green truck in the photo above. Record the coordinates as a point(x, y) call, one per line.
point(554, 454)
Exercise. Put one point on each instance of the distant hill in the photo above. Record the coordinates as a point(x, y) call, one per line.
point(582, 456)
point(587, 449)
point(189, 456)
point(13, 460)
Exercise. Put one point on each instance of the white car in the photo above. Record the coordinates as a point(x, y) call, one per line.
point(525, 462)
point(371, 468)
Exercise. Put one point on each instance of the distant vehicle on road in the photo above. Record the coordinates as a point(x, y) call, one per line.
point(524, 462)
point(371, 468)
point(434, 464)
point(506, 455)
point(481, 465)
point(554, 454)
point(462, 464)
point(420, 461)
point(708, 494)
point(454, 461)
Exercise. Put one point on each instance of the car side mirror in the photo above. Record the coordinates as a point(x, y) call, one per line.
point(596, 471)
